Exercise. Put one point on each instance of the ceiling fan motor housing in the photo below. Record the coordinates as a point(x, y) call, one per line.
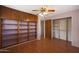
point(43, 9)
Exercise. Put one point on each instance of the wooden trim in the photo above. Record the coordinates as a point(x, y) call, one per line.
point(1, 32)
point(10, 13)
point(59, 30)
point(67, 30)
point(18, 31)
point(62, 18)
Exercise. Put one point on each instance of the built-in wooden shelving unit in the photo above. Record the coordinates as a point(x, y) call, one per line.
point(9, 32)
point(23, 31)
point(16, 31)
point(32, 30)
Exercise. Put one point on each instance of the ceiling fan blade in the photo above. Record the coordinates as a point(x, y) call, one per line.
point(35, 10)
point(51, 10)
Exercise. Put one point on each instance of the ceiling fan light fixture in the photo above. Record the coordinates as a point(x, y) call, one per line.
point(45, 13)
point(42, 14)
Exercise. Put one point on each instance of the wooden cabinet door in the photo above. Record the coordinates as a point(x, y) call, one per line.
point(48, 28)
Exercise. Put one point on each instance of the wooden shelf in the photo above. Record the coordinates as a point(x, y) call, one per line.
point(23, 33)
point(32, 25)
point(9, 24)
point(23, 29)
point(9, 29)
point(32, 29)
point(9, 34)
point(33, 32)
point(23, 25)
point(9, 37)
point(23, 40)
point(23, 36)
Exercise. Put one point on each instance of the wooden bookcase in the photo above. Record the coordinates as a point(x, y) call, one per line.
point(16, 31)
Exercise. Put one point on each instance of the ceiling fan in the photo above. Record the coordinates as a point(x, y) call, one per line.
point(44, 10)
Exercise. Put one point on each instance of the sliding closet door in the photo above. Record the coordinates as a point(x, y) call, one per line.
point(9, 32)
point(63, 27)
point(56, 29)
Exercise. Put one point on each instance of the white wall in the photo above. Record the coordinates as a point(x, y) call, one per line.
point(39, 28)
point(75, 25)
point(40, 18)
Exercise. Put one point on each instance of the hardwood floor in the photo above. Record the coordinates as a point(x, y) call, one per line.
point(43, 46)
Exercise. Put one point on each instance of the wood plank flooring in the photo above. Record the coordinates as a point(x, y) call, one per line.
point(44, 46)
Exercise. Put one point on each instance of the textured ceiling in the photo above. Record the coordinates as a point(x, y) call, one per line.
point(58, 8)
